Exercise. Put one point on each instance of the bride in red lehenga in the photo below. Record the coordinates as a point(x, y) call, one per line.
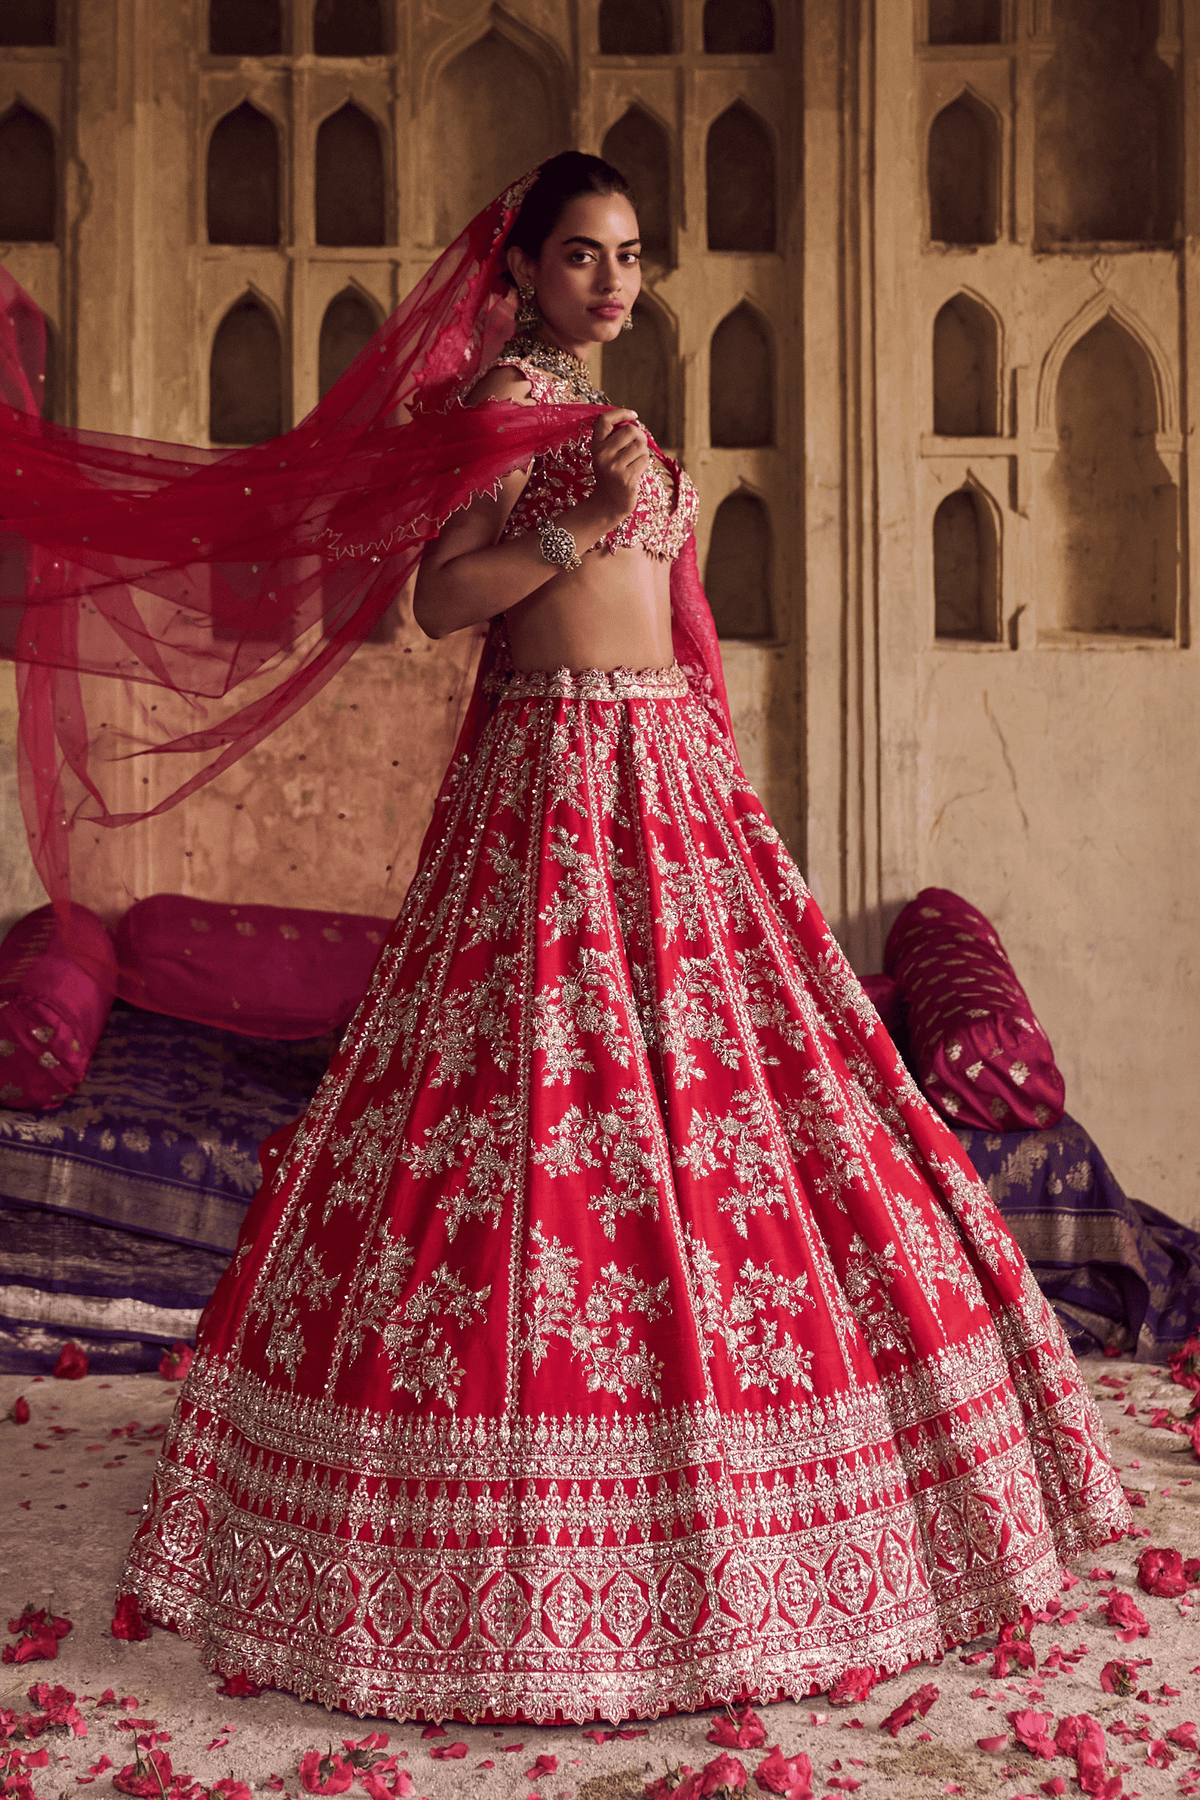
point(619, 1331)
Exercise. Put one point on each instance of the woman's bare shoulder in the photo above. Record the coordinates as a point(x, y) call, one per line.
point(505, 382)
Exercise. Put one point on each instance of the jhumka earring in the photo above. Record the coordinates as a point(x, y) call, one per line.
point(529, 313)
point(627, 322)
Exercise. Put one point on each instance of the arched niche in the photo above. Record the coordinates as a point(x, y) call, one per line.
point(28, 178)
point(1111, 561)
point(350, 321)
point(347, 28)
point(245, 376)
point(635, 28)
point(966, 369)
point(28, 24)
point(737, 573)
point(964, 173)
point(637, 369)
point(966, 22)
point(245, 28)
point(242, 185)
point(351, 197)
point(494, 105)
point(639, 146)
point(1107, 134)
point(739, 27)
point(741, 382)
point(740, 168)
point(966, 568)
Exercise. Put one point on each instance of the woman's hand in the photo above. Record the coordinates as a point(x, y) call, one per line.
point(620, 457)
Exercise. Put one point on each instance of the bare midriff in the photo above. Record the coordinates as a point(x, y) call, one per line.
point(613, 613)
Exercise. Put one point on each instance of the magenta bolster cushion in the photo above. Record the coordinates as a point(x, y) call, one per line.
point(267, 971)
point(54, 1002)
point(885, 996)
point(980, 1054)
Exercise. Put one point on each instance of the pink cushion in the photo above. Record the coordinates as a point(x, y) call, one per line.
point(979, 1052)
point(53, 1005)
point(267, 971)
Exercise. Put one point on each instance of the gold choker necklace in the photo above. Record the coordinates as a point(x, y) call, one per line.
point(529, 348)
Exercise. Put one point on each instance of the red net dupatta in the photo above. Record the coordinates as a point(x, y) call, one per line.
point(202, 596)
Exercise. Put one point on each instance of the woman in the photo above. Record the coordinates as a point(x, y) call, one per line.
point(619, 1330)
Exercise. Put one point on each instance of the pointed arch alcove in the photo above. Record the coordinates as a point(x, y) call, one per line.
point(348, 28)
point(741, 382)
point(963, 171)
point(966, 21)
point(966, 567)
point(1110, 506)
point(245, 28)
point(500, 109)
point(737, 570)
point(349, 322)
point(638, 370)
point(1108, 153)
point(639, 146)
point(739, 27)
point(966, 369)
point(740, 171)
point(28, 25)
point(242, 186)
point(635, 28)
point(245, 375)
point(28, 178)
point(351, 196)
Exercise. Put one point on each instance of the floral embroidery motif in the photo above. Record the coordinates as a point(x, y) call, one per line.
point(734, 1145)
point(297, 1279)
point(760, 1350)
point(486, 1147)
point(600, 1337)
point(614, 1141)
point(576, 1007)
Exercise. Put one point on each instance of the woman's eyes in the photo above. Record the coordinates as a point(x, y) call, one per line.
point(580, 257)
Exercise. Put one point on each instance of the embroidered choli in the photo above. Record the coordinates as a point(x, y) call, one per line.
point(665, 514)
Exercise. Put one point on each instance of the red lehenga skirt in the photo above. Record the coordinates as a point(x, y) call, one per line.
point(621, 1331)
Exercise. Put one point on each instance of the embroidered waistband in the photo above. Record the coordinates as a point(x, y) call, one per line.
point(591, 684)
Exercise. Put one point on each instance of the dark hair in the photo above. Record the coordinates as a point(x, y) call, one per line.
point(560, 180)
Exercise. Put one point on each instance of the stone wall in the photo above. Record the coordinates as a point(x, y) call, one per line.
point(920, 291)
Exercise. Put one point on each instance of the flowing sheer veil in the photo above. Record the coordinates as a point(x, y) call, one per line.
point(213, 592)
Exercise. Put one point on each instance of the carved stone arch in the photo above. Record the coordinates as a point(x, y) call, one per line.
point(967, 559)
point(252, 200)
point(992, 424)
point(1106, 305)
point(742, 378)
point(498, 140)
point(29, 174)
point(649, 171)
point(351, 197)
point(640, 368)
point(958, 213)
point(738, 565)
point(252, 387)
point(535, 44)
point(742, 194)
point(349, 319)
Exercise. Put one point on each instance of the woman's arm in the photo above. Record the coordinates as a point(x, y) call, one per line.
point(468, 576)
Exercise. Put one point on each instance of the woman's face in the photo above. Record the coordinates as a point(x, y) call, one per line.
point(589, 272)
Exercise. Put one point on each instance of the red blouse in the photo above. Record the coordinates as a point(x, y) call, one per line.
point(665, 514)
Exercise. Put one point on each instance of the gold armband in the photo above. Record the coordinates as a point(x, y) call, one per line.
point(558, 546)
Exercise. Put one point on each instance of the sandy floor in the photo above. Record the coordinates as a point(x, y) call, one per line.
point(73, 1479)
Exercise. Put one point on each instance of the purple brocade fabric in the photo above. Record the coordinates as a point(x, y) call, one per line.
point(1117, 1271)
point(119, 1210)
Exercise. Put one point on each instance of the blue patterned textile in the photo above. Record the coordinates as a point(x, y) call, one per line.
point(119, 1209)
point(1119, 1273)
